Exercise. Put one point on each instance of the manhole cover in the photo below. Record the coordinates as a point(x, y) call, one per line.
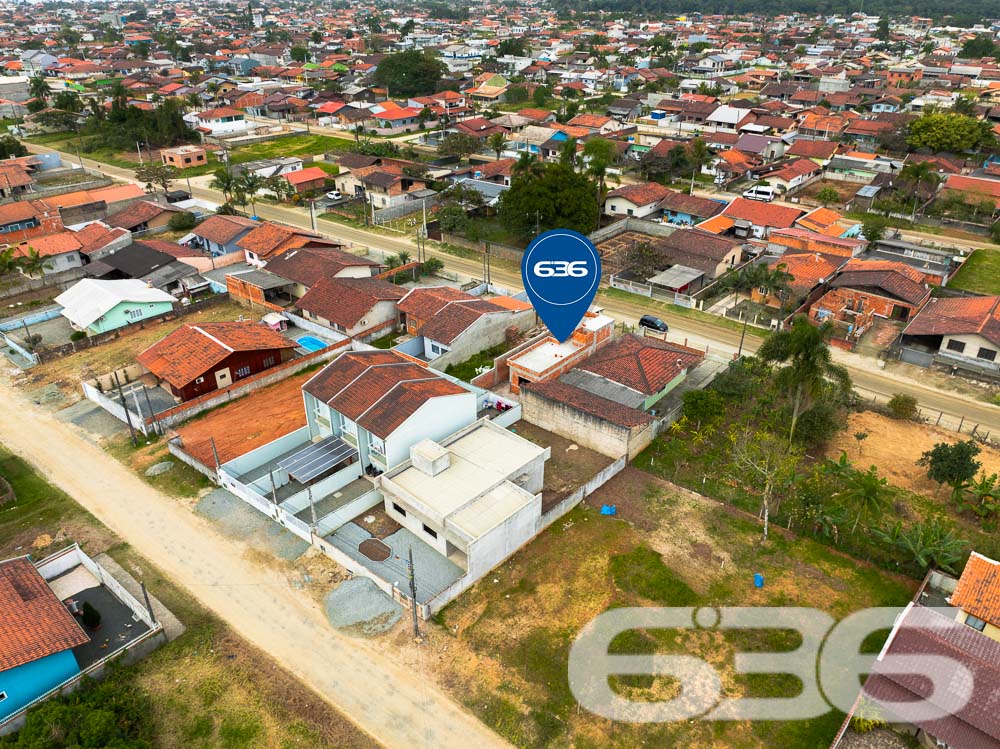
point(374, 549)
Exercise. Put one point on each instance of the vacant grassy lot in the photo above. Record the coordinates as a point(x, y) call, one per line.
point(208, 689)
point(295, 145)
point(980, 273)
point(42, 518)
point(505, 648)
point(65, 374)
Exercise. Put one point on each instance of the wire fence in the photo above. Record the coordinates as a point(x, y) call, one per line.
point(934, 417)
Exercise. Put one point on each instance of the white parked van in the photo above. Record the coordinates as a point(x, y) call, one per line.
point(760, 192)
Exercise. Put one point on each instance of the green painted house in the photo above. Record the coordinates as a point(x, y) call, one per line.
point(97, 306)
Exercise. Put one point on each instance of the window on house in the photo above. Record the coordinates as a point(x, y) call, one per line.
point(614, 208)
point(243, 372)
point(630, 211)
point(957, 346)
point(987, 353)
point(973, 621)
point(133, 314)
point(430, 531)
point(435, 349)
point(268, 361)
point(400, 510)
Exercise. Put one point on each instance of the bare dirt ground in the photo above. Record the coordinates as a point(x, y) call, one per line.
point(247, 423)
point(895, 446)
point(570, 466)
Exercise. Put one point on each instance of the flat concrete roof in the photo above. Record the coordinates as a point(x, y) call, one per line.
point(474, 493)
point(546, 355)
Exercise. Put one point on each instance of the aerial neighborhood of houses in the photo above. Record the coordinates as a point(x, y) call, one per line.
point(271, 370)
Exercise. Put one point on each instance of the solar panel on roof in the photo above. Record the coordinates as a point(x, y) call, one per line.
point(316, 459)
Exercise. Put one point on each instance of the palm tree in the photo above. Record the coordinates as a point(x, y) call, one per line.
point(31, 263)
point(599, 154)
point(224, 182)
point(770, 282)
point(249, 184)
point(699, 155)
point(527, 165)
point(404, 257)
point(915, 173)
point(8, 263)
point(193, 101)
point(804, 351)
point(866, 491)
point(496, 143)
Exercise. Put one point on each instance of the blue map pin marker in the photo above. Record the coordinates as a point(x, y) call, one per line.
point(561, 270)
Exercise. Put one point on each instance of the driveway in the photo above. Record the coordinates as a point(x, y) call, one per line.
point(398, 706)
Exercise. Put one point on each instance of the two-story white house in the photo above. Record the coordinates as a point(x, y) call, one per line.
point(221, 121)
point(382, 403)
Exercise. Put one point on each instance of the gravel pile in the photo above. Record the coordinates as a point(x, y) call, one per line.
point(358, 606)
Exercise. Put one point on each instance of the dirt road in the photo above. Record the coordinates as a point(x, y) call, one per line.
point(399, 707)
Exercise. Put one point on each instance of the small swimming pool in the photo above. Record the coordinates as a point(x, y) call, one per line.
point(311, 343)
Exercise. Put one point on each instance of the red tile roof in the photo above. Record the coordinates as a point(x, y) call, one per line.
point(345, 301)
point(959, 316)
point(985, 187)
point(896, 279)
point(644, 194)
point(268, 240)
point(935, 647)
point(692, 205)
point(646, 365)
point(378, 389)
point(223, 229)
point(807, 269)
point(978, 590)
point(96, 236)
point(308, 265)
point(762, 214)
point(586, 402)
point(49, 245)
point(34, 623)
point(309, 174)
point(449, 322)
point(192, 350)
point(138, 213)
point(422, 303)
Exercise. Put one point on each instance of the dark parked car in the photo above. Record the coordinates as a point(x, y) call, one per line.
point(654, 323)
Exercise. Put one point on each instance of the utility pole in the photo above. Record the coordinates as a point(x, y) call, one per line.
point(312, 508)
point(312, 213)
point(149, 606)
point(128, 417)
point(138, 150)
point(215, 454)
point(413, 596)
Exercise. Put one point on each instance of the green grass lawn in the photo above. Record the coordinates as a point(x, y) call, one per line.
point(665, 548)
point(38, 508)
point(980, 273)
point(295, 145)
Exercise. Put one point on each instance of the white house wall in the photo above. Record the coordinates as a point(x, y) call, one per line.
point(435, 419)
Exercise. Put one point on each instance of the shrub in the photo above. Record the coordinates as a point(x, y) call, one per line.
point(818, 425)
point(902, 406)
point(91, 616)
point(432, 265)
point(182, 221)
point(703, 406)
point(77, 335)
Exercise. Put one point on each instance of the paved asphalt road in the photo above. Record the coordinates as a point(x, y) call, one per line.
point(869, 380)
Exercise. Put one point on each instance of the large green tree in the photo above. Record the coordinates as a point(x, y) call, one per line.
point(410, 73)
point(550, 196)
point(942, 131)
point(981, 45)
point(804, 350)
point(459, 144)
